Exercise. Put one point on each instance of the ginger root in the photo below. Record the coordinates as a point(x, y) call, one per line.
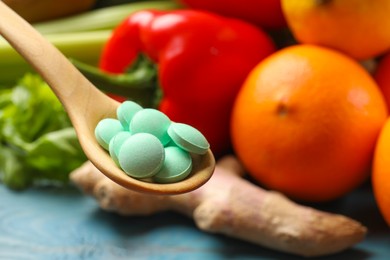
point(230, 205)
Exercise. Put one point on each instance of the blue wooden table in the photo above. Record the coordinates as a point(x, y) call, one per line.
point(62, 223)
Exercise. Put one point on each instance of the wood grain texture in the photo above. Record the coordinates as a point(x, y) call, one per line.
point(61, 223)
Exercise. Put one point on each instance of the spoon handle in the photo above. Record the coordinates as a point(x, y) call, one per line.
point(64, 79)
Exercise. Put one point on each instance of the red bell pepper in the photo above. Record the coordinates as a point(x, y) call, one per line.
point(264, 13)
point(202, 61)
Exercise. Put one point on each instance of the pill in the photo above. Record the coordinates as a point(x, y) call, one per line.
point(153, 122)
point(107, 129)
point(116, 143)
point(126, 111)
point(141, 155)
point(188, 138)
point(177, 166)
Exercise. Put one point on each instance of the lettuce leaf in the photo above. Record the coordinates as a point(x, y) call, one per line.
point(38, 142)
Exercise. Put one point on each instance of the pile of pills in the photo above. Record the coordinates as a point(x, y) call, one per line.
point(146, 144)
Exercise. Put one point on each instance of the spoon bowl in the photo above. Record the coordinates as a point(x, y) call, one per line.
point(86, 105)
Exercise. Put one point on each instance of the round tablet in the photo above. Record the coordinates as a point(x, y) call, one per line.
point(116, 143)
point(153, 122)
point(141, 155)
point(188, 138)
point(126, 111)
point(107, 129)
point(177, 166)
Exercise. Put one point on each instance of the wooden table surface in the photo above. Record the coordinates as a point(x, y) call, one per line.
point(62, 223)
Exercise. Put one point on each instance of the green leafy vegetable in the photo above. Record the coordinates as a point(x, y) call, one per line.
point(38, 142)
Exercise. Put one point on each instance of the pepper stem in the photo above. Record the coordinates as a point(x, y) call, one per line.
point(139, 83)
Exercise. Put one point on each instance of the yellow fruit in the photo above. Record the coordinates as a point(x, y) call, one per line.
point(41, 10)
point(359, 28)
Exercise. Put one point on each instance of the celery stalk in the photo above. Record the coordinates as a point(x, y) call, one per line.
point(82, 46)
point(100, 19)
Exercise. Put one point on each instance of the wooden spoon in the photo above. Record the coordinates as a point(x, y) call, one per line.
point(86, 105)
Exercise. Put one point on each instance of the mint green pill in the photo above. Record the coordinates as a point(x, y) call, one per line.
point(107, 129)
point(116, 144)
point(188, 138)
point(141, 155)
point(126, 111)
point(153, 122)
point(177, 166)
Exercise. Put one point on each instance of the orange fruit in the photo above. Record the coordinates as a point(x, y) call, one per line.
point(382, 77)
point(305, 122)
point(381, 172)
point(360, 28)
